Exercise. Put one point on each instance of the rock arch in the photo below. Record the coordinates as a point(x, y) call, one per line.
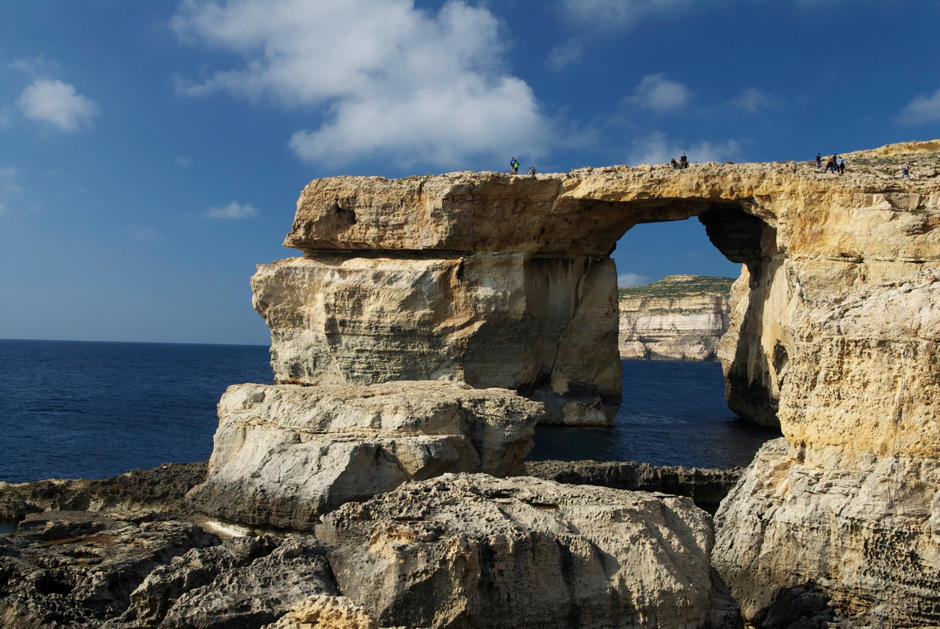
point(495, 280)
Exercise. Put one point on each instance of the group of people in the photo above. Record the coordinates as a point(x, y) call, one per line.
point(514, 167)
point(835, 163)
point(682, 163)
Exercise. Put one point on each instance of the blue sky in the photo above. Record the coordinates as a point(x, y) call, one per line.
point(151, 153)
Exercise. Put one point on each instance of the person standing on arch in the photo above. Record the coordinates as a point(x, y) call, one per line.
point(514, 165)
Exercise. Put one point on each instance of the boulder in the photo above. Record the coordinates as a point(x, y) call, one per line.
point(285, 454)
point(477, 551)
point(816, 534)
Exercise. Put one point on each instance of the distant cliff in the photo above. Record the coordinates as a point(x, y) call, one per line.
point(680, 317)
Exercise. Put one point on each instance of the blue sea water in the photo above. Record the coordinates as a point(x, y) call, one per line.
point(93, 410)
point(672, 413)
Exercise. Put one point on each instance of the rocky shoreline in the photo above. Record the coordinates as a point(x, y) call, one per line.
point(432, 322)
point(134, 551)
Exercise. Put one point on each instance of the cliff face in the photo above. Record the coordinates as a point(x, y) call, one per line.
point(681, 317)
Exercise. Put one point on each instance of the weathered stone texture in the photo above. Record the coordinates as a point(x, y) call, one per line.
point(863, 532)
point(476, 551)
point(285, 454)
point(508, 321)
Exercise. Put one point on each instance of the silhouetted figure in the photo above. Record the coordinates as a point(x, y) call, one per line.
point(683, 161)
point(818, 160)
point(674, 163)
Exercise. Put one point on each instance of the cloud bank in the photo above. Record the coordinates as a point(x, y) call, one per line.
point(382, 77)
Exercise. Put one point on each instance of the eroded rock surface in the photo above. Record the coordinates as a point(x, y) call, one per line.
point(490, 321)
point(161, 489)
point(242, 582)
point(477, 551)
point(814, 534)
point(285, 454)
point(77, 568)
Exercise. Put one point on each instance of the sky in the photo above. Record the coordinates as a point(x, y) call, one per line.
point(151, 153)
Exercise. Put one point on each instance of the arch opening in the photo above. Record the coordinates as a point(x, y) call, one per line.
point(677, 410)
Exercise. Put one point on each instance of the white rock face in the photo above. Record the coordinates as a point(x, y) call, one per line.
point(285, 454)
point(861, 531)
point(476, 551)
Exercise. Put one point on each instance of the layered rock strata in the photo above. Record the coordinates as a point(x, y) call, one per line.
point(475, 551)
point(681, 317)
point(285, 454)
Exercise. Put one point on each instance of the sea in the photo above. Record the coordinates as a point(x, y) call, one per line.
point(92, 410)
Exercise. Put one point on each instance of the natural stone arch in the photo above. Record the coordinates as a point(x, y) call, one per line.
point(486, 279)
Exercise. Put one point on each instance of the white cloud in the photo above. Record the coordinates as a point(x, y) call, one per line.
point(57, 103)
point(632, 279)
point(921, 109)
point(565, 55)
point(658, 93)
point(752, 100)
point(618, 13)
point(656, 148)
point(182, 161)
point(392, 79)
point(232, 211)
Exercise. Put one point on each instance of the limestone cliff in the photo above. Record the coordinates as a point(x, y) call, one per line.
point(681, 317)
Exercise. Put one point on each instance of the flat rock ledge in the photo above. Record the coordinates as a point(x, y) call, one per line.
point(477, 551)
point(286, 454)
point(707, 487)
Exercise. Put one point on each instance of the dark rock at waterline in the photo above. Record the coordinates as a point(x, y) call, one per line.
point(77, 568)
point(161, 488)
point(243, 582)
point(135, 569)
point(706, 487)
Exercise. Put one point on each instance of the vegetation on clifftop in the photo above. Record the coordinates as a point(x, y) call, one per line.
point(677, 286)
